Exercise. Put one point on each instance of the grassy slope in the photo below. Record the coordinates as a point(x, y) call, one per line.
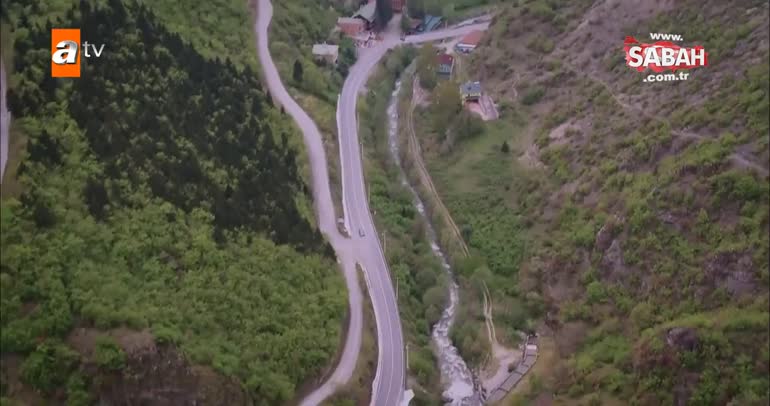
point(687, 214)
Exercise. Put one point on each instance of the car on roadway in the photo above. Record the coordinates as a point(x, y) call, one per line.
point(403, 37)
point(361, 232)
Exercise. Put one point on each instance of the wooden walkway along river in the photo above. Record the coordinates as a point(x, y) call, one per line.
point(528, 359)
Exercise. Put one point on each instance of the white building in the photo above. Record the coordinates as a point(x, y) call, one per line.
point(326, 52)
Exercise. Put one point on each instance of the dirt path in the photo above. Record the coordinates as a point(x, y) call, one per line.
point(425, 179)
point(513, 86)
point(497, 370)
point(488, 317)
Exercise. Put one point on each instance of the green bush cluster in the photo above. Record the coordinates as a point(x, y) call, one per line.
point(532, 95)
point(108, 354)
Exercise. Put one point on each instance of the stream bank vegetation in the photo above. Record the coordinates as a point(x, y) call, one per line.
point(487, 225)
point(422, 285)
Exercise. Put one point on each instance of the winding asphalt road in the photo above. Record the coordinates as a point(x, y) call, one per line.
point(364, 245)
point(324, 208)
point(389, 380)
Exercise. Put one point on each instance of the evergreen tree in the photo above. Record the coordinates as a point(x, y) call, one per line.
point(384, 13)
point(297, 74)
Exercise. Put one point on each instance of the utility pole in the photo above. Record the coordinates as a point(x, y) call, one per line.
point(396, 277)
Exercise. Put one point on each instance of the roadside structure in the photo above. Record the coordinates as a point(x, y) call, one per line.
point(470, 91)
point(430, 23)
point(368, 14)
point(444, 65)
point(529, 356)
point(326, 52)
point(351, 26)
point(469, 42)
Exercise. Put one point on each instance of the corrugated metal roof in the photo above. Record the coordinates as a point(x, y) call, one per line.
point(470, 88)
point(431, 22)
point(325, 49)
point(367, 11)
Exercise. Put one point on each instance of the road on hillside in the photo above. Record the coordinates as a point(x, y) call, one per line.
point(364, 246)
point(324, 209)
point(5, 122)
point(389, 382)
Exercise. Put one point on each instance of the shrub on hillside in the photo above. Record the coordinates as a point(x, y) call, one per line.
point(108, 354)
point(532, 95)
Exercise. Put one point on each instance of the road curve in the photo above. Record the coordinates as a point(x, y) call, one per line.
point(364, 247)
point(389, 382)
point(324, 208)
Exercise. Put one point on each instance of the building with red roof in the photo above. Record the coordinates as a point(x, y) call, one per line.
point(351, 26)
point(445, 64)
point(469, 42)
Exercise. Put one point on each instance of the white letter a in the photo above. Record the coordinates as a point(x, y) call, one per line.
point(68, 48)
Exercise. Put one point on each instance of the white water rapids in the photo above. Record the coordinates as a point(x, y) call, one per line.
point(455, 375)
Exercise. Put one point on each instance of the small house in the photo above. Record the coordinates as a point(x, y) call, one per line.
point(470, 91)
point(444, 64)
point(469, 42)
point(326, 52)
point(367, 13)
point(351, 26)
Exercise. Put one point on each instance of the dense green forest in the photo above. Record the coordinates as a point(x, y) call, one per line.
point(296, 26)
point(161, 194)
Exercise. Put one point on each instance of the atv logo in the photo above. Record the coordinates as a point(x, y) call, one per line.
point(65, 52)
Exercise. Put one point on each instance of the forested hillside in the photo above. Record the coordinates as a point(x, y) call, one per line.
point(635, 215)
point(162, 248)
point(314, 83)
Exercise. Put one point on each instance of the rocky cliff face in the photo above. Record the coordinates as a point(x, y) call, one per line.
point(654, 196)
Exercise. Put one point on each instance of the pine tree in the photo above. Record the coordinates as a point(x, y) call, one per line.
point(297, 74)
point(384, 13)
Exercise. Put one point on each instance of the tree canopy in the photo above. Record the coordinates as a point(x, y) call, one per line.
point(161, 192)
